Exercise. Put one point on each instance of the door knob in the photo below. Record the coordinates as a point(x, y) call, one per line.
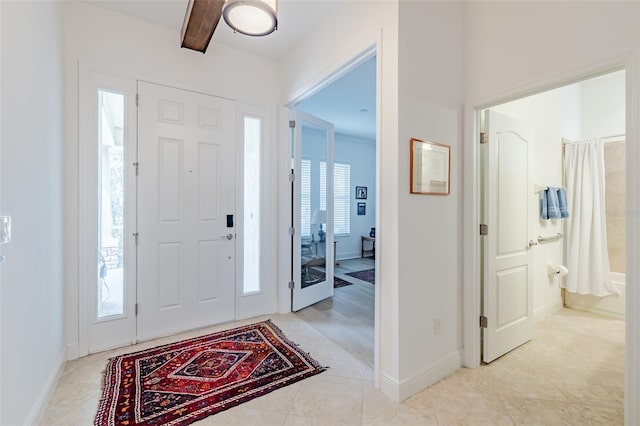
point(227, 237)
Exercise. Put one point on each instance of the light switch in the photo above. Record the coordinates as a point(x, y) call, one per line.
point(5, 229)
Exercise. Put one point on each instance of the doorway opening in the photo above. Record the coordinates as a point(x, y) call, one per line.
point(552, 194)
point(334, 163)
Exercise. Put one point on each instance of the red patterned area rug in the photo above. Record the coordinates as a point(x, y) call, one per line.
point(180, 383)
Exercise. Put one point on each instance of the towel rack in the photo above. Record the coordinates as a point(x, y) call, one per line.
point(543, 240)
point(538, 188)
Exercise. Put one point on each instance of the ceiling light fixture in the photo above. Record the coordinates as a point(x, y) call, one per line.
point(251, 17)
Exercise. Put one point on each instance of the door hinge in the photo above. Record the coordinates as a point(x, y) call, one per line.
point(137, 99)
point(135, 235)
point(292, 232)
point(291, 284)
point(136, 309)
point(484, 229)
point(483, 321)
point(292, 124)
point(137, 166)
point(484, 138)
point(292, 177)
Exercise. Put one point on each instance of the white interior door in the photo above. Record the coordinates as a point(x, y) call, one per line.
point(508, 283)
point(313, 210)
point(186, 203)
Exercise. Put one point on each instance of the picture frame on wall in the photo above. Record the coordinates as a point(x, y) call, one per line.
point(430, 168)
point(362, 209)
point(361, 192)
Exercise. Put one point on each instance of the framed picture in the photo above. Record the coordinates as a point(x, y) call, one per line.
point(361, 192)
point(362, 209)
point(430, 168)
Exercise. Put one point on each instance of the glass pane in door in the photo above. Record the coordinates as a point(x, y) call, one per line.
point(110, 255)
point(313, 209)
point(251, 226)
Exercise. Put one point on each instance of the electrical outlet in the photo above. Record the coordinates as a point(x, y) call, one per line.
point(437, 326)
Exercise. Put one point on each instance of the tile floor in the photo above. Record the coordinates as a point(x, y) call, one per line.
point(571, 373)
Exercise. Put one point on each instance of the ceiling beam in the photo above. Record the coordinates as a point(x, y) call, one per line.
point(200, 22)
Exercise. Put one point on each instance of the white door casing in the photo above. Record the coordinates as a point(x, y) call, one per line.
point(508, 281)
point(303, 297)
point(186, 189)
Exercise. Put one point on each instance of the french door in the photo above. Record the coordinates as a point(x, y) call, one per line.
point(313, 268)
point(186, 210)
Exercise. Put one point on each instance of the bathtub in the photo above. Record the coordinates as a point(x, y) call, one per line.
point(611, 306)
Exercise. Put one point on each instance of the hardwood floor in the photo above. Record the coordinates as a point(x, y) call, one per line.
point(347, 318)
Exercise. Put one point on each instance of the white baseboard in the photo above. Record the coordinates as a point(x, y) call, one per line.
point(427, 377)
point(389, 387)
point(549, 309)
point(72, 352)
point(37, 411)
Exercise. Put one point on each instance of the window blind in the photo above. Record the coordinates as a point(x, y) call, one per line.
point(341, 199)
point(305, 198)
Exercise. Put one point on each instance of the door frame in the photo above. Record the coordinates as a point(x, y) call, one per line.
point(285, 247)
point(471, 300)
point(268, 293)
point(89, 78)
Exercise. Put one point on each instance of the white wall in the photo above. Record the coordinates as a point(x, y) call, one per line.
point(430, 107)
point(418, 239)
point(132, 48)
point(552, 116)
point(361, 154)
point(506, 47)
point(516, 48)
point(361, 25)
point(31, 192)
point(603, 109)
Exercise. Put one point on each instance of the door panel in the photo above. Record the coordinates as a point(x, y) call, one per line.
point(186, 266)
point(508, 281)
point(170, 179)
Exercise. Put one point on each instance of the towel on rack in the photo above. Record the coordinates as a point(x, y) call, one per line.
point(544, 215)
point(553, 205)
point(562, 203)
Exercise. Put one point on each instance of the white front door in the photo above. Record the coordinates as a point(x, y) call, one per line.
point(508, 282)
point(186, 210)
point(313, 266)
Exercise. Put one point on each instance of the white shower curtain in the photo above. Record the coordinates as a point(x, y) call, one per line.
point(586, 227)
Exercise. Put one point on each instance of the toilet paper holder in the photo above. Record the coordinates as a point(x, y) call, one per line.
point(560, 270)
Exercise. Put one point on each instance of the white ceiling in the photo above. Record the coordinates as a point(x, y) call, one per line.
point(343, 101)
point(296, 19)
point(340, 103)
